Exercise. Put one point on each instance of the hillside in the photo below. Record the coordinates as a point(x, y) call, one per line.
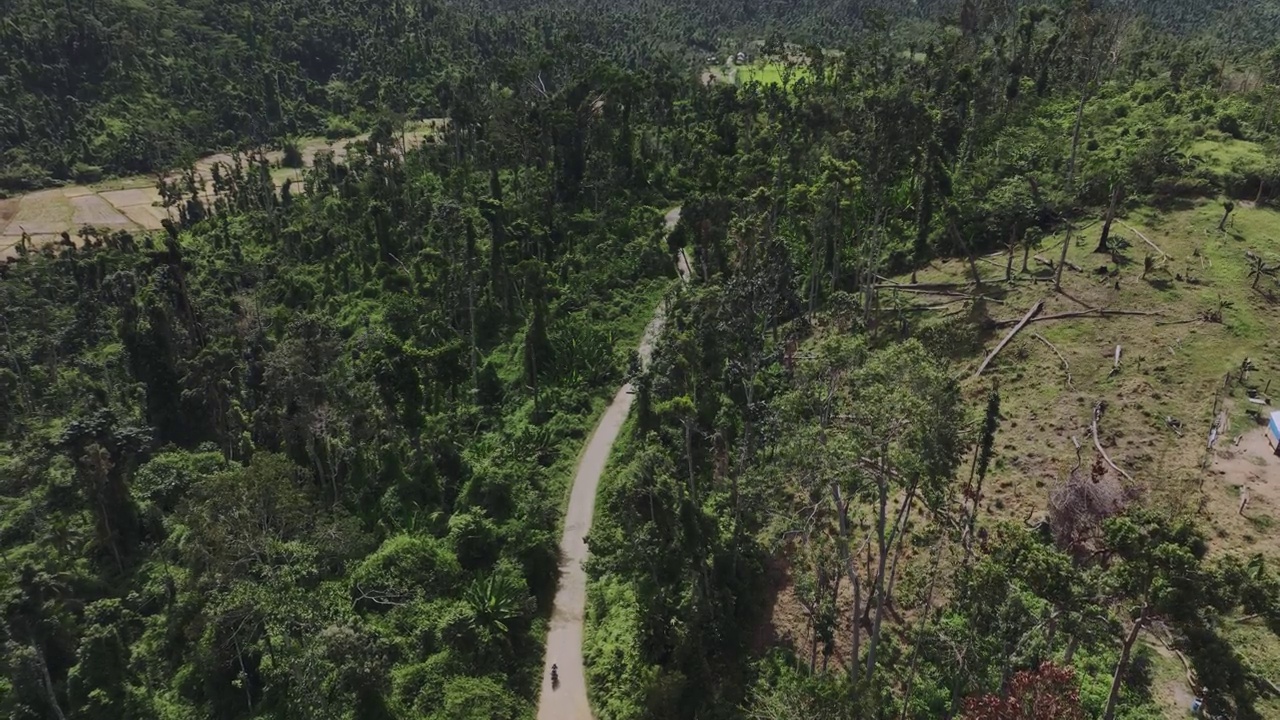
point(322, 428)
point(1179, 371)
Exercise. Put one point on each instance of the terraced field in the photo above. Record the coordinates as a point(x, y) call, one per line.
point(133, 203)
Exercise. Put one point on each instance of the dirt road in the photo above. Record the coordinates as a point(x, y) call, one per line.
point(569, 701)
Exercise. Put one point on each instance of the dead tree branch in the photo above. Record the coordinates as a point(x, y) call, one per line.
point(1084, 313)
point(1035, 310)
point(1145, 239)
point(1097, 415)
point(1066, 367)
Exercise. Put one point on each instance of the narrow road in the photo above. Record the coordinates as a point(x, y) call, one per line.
point(569, 701)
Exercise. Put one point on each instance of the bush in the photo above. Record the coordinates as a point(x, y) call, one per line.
point(1230, 125)
point(337, 128)
point(22, 177)
point(403, 568)
point(292, 153)
point(85, 173)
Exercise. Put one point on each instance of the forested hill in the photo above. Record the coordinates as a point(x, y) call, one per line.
point(114, 86)
point(304, 451)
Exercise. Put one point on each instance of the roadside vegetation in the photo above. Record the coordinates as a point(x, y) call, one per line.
point(924, 436)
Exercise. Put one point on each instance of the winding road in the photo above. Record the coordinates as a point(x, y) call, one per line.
point(569, 701)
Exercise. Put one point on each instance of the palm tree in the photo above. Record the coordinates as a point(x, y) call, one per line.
point(1227, 206)
point(495, 601)
point(1258, 267)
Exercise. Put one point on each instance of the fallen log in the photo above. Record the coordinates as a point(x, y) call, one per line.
point(1066, 367)
point(924, 290)
point(1144, 239)
point(1097, 414)
point(1084, 313)
point(1035, 310)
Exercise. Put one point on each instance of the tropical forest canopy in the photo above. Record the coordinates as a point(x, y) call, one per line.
point(304, 452)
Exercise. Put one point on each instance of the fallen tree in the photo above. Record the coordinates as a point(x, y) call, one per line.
point(1035, 310)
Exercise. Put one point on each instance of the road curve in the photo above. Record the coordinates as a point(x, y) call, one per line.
point(569, 701)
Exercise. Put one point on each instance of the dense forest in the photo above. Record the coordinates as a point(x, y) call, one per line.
point(304, 453)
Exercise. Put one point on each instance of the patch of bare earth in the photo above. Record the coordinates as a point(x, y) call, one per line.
point(8, 208)
point(92, 210)
point(1243, 490)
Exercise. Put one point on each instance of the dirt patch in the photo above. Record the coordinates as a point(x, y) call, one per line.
point(9, 243)
point(93, 210)
point(132, 202)
point(8, 208)
point(130, 198)
point(47, 212)
point(138, 205)
point(1246, 468)
point(148, 217)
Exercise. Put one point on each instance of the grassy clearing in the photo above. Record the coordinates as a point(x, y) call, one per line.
point(1172, 366)
point(771, 73)
point(1225, 152)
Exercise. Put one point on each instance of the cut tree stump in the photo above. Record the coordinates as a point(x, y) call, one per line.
point(1035, 310)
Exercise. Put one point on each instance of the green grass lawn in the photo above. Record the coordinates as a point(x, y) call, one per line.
point(771, 73)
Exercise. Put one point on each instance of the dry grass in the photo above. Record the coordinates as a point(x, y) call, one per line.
point(1172, 367)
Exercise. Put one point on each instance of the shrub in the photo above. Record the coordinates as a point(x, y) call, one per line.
point(1230, 125)
point(292, 153)
point(85, 173)
point(337, 128)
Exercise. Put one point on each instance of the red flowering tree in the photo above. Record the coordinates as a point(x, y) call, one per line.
point(1047, 693)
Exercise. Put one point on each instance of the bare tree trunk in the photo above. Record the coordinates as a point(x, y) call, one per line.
point(1222, 224)
point(1123, 664)
point(846, 556)
point(1075, 138)
point(1008, 261)
point(1062, 262)
point(1072, 643)
point(46, 681)
point(968, 254)
point(248, 696)
point(884, 539)
point(688, 454)
point(815, 267)
point(1116, 190)
point(901, 534)
point(1071, 179)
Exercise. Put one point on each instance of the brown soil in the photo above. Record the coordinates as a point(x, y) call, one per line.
point(8, 208)
point(92, 210)
point(1247, 468)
